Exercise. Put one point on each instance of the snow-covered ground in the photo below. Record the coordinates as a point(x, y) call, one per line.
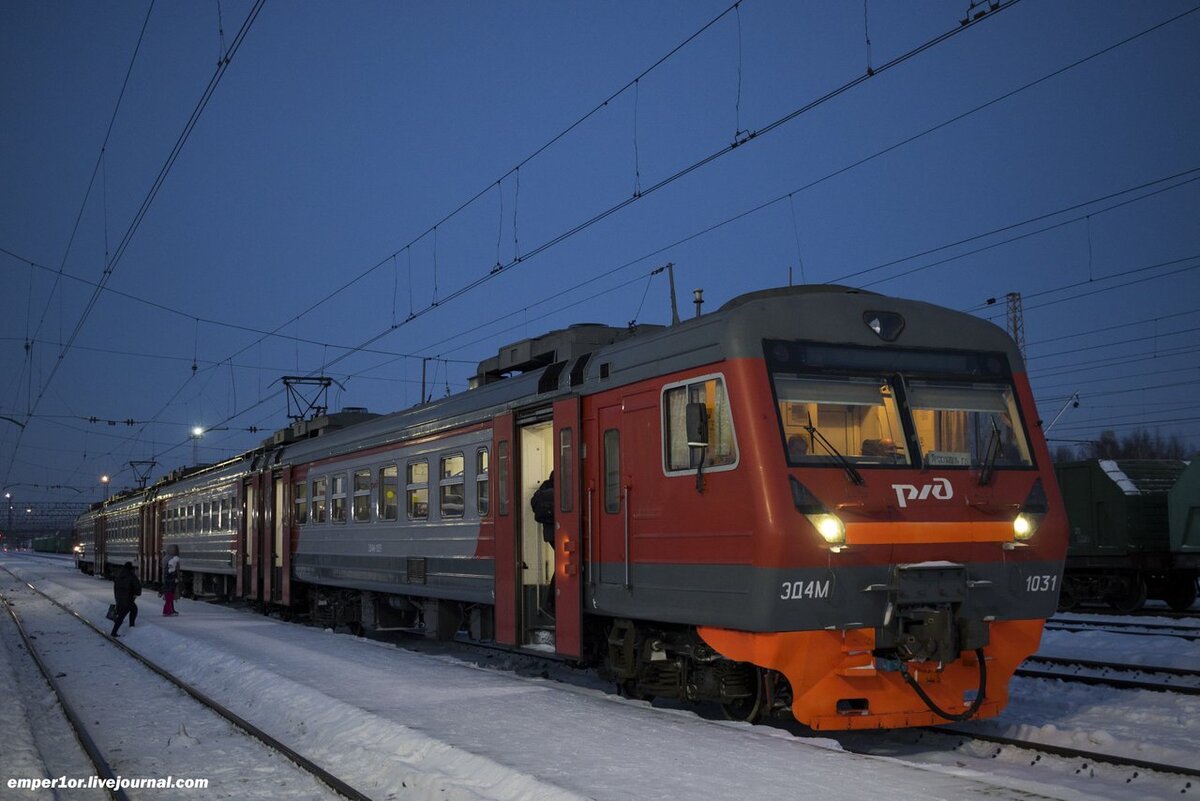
point(402, 724)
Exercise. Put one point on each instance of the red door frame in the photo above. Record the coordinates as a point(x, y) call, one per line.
point(568, 597)
point(251, 523)
point(240, 588)
point(266, 533)
point(286, 544)
point(151, 544)
point(506, 553)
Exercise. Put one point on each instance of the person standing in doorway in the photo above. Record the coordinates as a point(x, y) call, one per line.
point(170, 580)
point(542, 504)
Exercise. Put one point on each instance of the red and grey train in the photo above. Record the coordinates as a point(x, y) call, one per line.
point(814, 499)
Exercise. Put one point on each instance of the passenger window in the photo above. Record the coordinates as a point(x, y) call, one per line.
point(300, 503)
point(362, 496)
point(387, 492)
point(418, 490)
point(481, 481)
point(451, 486)
point(612, 471)
point(318, 500)
point(566, 480)
point(337, 507)
point(722, 448)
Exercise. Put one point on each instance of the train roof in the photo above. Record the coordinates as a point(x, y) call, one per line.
point(589, 358)
point(592, 358)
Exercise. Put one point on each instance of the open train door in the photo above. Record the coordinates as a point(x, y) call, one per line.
point(251, 575)
point(568, 599)
point(150, 544)
point(506, 558)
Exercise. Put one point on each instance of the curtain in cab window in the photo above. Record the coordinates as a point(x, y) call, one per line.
point(722, 449)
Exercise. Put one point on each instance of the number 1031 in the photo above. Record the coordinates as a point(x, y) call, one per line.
point(1046, 583)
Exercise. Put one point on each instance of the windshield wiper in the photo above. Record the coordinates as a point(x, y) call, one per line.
point(993, 451)
point(817, 436)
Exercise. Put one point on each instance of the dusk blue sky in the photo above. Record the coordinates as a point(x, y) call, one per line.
point(341, 132)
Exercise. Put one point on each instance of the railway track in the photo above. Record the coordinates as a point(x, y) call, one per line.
point(102, 721)
point(1107, 676)
point(1131, 628)
point(1084, 756)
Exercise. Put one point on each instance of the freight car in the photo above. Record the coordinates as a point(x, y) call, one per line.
point(814, 499)
point(52, 543)
point(1134, 532)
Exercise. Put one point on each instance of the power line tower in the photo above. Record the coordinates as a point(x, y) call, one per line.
point(1016, 321)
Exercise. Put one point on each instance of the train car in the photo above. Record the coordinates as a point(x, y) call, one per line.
point(199, 512)
point(1183, 509)
point(123, 528)
point(88, 537)
point(52, 543)
point(1124, 544)
point(814, 499)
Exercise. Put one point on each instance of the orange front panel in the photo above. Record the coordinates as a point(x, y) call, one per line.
point(926, 532)
point(825, 667)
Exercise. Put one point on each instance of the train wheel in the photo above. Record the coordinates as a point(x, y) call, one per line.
point(1181, 593)
point(747, 710)
point(629, 689)
point(1131, 598)
point(1067, 600)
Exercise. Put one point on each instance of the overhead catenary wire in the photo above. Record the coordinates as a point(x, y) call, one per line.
point(522, 257)
point(828, 176)
point(694, 166)
point(140, 215)
point(1025, 87)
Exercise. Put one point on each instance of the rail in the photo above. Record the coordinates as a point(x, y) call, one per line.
point(1069, 752)
point(103, 769)
point(333, 782)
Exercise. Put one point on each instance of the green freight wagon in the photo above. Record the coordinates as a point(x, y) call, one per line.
point(1183, 503)
point(1124, 546)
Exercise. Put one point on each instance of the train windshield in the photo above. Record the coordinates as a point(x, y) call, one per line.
point(894, 407)
point(856, 418)
point(967, 425)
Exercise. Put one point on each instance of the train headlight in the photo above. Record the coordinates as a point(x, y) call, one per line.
point(1024, 527)
point(1032, 511)
point(830, 527)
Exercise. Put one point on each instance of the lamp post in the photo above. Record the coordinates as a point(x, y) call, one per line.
point(104, 479)
point(8, 500)
point(197, 433)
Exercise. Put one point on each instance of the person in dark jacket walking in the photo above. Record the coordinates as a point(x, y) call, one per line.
point(126, 589)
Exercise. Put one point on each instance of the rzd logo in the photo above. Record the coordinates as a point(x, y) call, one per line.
point(939, 489)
